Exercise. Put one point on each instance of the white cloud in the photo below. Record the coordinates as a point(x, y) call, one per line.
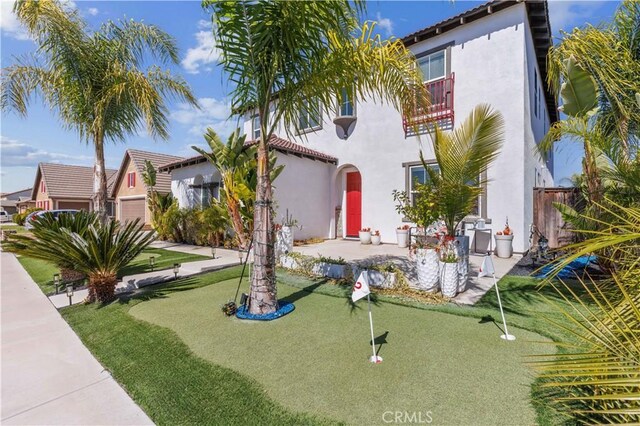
point(9, 23)
point(205, 51)
point(93, 11)
point(212, 113)
point(17, 154)
point(566, 14)
point(385, 24)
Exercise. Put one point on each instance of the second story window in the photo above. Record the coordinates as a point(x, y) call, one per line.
point(346, 106)
point(433, 66)
point(131, 180)
point(255, 126)
point(310, 117)
point(43, 188)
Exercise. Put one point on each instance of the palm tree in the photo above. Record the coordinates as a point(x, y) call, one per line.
point(303, 53)
point(236, 162)
point(99, 250)
point(93, 79)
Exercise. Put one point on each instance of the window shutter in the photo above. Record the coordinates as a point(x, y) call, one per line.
point(133, 180)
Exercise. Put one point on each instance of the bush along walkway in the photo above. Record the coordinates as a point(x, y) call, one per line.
point(48, 376)
point(133, 282)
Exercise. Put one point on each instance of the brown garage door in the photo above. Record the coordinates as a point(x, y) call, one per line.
point(73, 205)
point(131, 210)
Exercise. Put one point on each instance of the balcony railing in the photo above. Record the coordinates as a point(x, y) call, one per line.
point(440, 111)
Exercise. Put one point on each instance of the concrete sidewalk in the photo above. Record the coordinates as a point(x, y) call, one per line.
point(48, 375)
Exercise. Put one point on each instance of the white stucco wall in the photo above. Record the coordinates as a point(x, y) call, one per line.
point(182, 177)
point(491, 60)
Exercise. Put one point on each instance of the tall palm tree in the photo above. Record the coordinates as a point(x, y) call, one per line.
point(94, 79)
point(303, 53)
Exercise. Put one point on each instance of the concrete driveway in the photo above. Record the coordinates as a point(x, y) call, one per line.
point(48, 375)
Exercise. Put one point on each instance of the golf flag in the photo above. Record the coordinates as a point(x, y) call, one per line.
point(486, 269)
point(361, 287)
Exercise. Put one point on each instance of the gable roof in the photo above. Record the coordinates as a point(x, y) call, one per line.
point(66, 181)
point(277, 143)
point(17, 195)
point(138, 157)
point(538, 15)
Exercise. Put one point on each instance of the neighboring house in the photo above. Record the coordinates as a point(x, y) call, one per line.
point(129, 189)
point(9, 200)
point(24, 204)
point(61, 186)
point(194, 182)
point(495, 54)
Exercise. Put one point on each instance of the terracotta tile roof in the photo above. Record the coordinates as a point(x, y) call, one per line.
point(65, 181)
point(138, 157)
point(279, 144)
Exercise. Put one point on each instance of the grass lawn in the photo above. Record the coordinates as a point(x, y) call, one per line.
point(42, 271)
point(19, 229)
point(184, 362)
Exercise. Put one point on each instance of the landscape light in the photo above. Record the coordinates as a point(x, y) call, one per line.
point(70, 292)
point(213, 252)
point(152, 262)
point(56, 281)
point(176, 269)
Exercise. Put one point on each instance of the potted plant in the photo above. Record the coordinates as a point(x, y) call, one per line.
point(284, 234)
point(448, 267)
point(375, 238)
point(402, 236)
point(504, 242)
point(425, 251)
point(365, 236)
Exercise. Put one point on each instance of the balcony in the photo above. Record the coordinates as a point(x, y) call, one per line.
point(440, 112)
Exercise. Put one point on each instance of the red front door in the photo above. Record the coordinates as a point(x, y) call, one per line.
point(354, 203)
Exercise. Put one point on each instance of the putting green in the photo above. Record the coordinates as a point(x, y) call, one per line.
point(439, 367)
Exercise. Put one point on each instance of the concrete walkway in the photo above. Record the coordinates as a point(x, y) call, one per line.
point(48, 375)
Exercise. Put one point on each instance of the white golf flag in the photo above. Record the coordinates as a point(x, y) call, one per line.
point(361, 287)
point(486, 269)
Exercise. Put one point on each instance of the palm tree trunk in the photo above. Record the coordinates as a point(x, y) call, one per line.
point(590, 169)
point(99, 179)
point(263, 296)
point(236, 220)
point(102, 288)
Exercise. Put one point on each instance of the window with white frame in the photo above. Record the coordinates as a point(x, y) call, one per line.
point(433, 65)
point(310, 117)
point(255, 126)
point(131, 180)
point(418, 175)
point(346, 107)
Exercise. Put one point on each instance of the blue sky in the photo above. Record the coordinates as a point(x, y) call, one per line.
point(40, 138)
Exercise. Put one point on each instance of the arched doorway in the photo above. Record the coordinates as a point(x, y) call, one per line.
point(347, 184)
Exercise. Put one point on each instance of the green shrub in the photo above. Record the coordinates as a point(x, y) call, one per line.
point(19, 218)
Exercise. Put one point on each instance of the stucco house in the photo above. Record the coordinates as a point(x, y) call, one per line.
point(11, 201)
point(129, 190)
point(494, 53)
point(62, 186)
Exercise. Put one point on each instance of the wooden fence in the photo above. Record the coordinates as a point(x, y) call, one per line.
point(548, 219)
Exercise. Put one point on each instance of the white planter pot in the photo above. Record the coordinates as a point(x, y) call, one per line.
point(375, 240)
point(403, 237)
point(449, 279)
point(504, 245)
point(284, 241)
point(463, 273)
point(365, 237)
point(427, 269)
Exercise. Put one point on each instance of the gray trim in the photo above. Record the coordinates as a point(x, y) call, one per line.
point(436, 49)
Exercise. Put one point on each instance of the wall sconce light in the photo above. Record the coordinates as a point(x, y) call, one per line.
point(176, 269)
point(69, 292)
point(152, 262)
point(56, 281)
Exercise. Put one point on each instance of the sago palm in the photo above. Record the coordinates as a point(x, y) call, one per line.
point(284, 57)
point(99, 253)
point(464, 155)
point(93, 79)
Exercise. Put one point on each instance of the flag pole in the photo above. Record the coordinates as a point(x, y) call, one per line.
point(374, 357)
point(506, 335)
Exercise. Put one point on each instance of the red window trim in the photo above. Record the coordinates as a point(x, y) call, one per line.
point(131, 179)
point(42, 186)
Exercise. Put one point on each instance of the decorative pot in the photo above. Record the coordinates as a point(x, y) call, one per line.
point(365, 237)
point(375, 240)
point(427, 269)
point(504, 245)
point(402, 236)
point(284, 241)
point(463, 262)
point(449, 278)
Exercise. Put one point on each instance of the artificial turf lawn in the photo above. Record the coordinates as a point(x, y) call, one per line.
point(42, 271)
point(315, 359)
